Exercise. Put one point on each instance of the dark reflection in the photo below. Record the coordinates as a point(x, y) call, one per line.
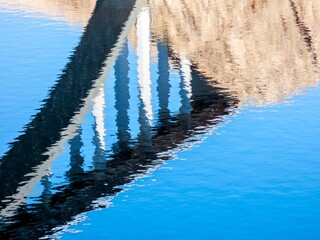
point(122, 97)
point(202, 106)
point(76, 159)
point(163, 83)
point(64, 101)
point(66, 98)
point(127, 160)
point(46, 193)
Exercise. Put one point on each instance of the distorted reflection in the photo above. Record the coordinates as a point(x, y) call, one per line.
point(222, 61)
point(73, 12)
point(262, 52)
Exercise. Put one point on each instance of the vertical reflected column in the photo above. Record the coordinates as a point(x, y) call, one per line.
point(185, 85)
point(99, 130)
point(76, 160)
point(122, 97)
point(46, 193)
point(144, 78)
point(185, 92)
point(163, 82)
point(98, 113)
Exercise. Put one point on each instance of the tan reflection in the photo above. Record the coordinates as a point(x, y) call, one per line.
point(74, 12)
point(262, 51)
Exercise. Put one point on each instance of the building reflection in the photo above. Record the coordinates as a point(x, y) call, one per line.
point(202, 105)
point(30, 156)
point(262, 52)
point(130, 157)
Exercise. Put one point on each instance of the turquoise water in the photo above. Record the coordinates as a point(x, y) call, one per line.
point(140, 146)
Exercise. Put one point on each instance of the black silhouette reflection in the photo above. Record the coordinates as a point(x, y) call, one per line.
point(163, 87)
point(201, 106)
point(122, 97)
point(66, 98)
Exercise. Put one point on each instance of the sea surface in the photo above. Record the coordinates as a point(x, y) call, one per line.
point(159, 119)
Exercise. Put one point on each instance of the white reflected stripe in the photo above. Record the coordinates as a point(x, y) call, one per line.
point(98, 113)
point(186, 73)
point(185, 92)
point(143, 52)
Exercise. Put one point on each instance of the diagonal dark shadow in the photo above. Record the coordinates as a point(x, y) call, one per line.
point(66, 97)
point(126, 162)
point(128, 158)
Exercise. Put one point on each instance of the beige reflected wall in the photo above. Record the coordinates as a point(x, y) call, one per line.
point(74, 12)
point(260, 50)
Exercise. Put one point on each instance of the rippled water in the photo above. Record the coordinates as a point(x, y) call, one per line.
point(159, 119)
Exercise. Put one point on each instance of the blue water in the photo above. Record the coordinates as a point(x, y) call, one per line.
point(256, 178)
point(30, 48)
point(201, 168)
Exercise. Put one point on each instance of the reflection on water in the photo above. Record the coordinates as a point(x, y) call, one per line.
point(260, 51)
point(219, 58)
point(74, 12)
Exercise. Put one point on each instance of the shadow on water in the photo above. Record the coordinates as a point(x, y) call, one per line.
point(201, 107)
point(67, 96)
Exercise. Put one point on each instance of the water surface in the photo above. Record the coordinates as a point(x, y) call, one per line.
point(118, 125)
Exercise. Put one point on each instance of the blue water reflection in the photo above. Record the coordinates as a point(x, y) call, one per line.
point(124, 106)
point(46, 42)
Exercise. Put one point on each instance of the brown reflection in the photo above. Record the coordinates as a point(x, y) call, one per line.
point(74, 12)
point(262, 51)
